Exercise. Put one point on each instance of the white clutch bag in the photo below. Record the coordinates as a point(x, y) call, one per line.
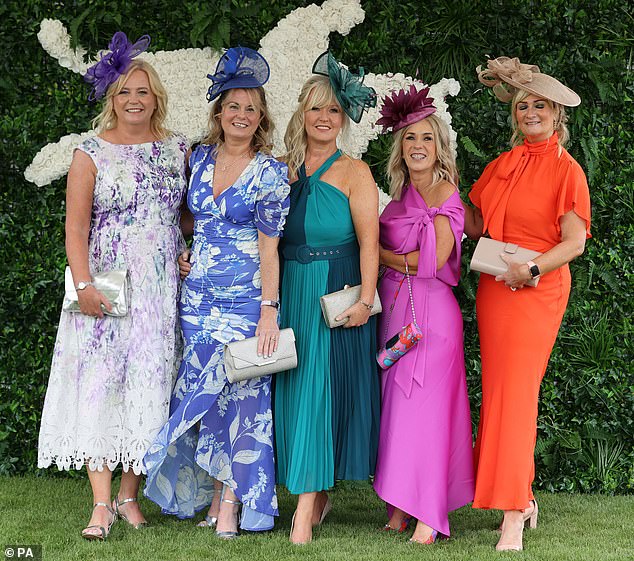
point(336, 302)
point(112, 284)
point(486, 257)
point(243, 363)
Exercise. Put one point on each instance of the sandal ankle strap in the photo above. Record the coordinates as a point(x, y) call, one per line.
point(108, 507)
point(231, 502)
point(120, 502)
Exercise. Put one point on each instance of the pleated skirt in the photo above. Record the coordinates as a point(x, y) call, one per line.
point(326, 413)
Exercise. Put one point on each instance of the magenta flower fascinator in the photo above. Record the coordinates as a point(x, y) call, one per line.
point(404, 108)
point(113, 64)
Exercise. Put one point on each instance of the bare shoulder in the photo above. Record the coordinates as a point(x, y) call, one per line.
point(359, 175)
point(82, 162)
point(444, 190)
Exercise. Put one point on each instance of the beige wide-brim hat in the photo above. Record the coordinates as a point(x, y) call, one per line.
point(503, 72)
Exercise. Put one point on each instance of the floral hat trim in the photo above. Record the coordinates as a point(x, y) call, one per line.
point(507, 75)
point(353, 96)
point(113, 64)
point(404, 108)
point(238, 67)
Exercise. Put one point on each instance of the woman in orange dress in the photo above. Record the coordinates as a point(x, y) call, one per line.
point(536, 196)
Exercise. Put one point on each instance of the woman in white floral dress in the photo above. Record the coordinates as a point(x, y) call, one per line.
point(111, 377)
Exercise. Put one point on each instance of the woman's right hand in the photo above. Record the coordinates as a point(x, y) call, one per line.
point(92, 302)
point(184, 266)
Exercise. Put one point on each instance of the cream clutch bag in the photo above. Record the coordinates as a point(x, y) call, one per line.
point(336, 302)
point(243, 363)
point(112, 284)
point(486, 257)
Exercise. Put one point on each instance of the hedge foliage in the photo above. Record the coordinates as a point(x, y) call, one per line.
point(586, 428)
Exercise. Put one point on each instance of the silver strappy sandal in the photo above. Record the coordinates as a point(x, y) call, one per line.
point(117, 507)
point(104, 532)
point(228, 535)
point(209, 521)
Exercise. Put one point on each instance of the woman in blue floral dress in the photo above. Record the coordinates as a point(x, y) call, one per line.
point(111, 377)
point(217, 446)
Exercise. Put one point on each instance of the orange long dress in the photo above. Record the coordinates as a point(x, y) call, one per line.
point(522, 195)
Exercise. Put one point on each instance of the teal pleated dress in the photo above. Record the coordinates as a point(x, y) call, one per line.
point(327, 409)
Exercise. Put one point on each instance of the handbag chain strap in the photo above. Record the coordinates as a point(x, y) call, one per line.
point(409, 287)
point(411, 299)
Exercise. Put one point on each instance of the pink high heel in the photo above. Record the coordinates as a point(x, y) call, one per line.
point(430, 540)
point(402, 527)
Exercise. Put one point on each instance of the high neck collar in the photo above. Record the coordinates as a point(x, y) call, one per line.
point(544, 147)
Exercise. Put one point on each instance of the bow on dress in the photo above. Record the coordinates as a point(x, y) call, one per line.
point(408, 225)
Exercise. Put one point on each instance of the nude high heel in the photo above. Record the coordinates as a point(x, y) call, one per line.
point(529, 518)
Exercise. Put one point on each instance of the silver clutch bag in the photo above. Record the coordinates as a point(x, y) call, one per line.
point(336, 302)
point(243, 363)
point(486, 257)
point(112, 284)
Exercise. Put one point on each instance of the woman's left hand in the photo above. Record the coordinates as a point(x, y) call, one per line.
point(517, 274)
point(268, 332)
point(357, 315)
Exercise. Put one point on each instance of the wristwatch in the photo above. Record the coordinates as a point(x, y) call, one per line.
point(533, 269)
point(273, 303)
point(83, 284)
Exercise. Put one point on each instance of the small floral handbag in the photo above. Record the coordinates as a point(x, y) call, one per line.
point(406, 338)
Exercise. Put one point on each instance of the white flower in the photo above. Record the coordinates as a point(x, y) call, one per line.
point(384, 200)
point(55, 40)
point(291, 48)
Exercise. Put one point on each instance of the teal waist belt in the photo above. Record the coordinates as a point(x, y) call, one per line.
point(307, 254)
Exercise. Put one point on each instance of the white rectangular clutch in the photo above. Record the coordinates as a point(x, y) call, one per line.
point(336, 302)
point(486, 257)
point(243, 363)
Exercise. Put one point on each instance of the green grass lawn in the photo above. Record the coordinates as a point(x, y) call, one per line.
point(53, 511)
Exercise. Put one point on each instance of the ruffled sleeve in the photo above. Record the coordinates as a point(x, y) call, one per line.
point(272, 200)
point(475, 195)
point(574, 194)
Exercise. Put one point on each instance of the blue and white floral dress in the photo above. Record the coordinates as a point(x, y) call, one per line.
point(217, 429)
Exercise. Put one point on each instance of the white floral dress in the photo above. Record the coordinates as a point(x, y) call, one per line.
point(111, 379)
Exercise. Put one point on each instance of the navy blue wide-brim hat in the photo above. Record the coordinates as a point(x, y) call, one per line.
point(239, 67)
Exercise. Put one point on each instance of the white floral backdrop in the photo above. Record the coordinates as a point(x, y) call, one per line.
point(290, 48)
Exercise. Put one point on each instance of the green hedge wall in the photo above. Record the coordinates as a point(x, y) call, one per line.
point(586, 425)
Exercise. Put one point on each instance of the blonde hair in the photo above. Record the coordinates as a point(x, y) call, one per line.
point(316, 92)
point(445, 168)
point(559, 125)
point(261, 141)
point(107, 119)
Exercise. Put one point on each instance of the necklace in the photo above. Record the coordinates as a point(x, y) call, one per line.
point(225, 167)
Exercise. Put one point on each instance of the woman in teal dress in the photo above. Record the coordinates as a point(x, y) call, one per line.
point(326, 410)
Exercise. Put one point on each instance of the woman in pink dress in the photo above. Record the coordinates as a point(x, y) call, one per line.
point(424, 468)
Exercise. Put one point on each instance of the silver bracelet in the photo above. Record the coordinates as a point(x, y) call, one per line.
point(273, 303)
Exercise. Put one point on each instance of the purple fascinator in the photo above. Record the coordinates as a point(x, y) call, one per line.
point(113, 64)
point(404, 108)
point(239, 67)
